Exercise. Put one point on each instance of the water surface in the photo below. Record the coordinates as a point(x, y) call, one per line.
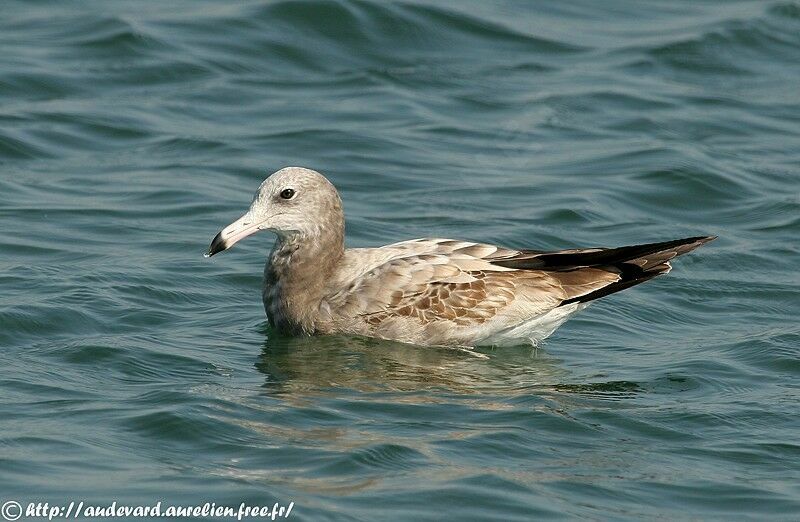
point(135, 370)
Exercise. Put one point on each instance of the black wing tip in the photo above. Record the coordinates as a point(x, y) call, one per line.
point(688, 244)
point(561, 260)
point(700, 239)
point(627, 282)
point(633, 274)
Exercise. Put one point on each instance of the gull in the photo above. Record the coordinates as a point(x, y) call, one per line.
point(433, 292)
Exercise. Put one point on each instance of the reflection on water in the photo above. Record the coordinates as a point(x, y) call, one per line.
point(317, 365)
point(363, 364)
point(367, 414)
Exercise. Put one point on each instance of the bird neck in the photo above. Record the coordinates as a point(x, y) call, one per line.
point(296, 275)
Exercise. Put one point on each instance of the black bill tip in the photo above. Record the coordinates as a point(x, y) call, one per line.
point(218, 244)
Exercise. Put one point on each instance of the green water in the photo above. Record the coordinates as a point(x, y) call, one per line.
point(134, 370)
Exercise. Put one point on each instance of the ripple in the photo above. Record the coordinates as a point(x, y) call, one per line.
point(714, 51)
point(133, 366)
point(36, 85)
point(113, 38)
point(14, 148)
point(463, 23)
point(168, 425)
point(392, 457)
point(786, 10)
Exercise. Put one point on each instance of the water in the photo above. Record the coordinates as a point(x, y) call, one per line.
point(134, 370)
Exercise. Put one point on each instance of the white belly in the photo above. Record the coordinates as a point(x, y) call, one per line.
point(532, 331)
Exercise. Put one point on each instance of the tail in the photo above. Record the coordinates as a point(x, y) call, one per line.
point(633, 264)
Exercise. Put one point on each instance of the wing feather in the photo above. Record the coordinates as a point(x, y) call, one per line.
point(443, 280)
point(435, 280)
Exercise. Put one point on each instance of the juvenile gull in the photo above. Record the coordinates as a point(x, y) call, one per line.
point(438, 292)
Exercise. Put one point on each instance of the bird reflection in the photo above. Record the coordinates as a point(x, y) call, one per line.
point(360, 406)
point(308, 366)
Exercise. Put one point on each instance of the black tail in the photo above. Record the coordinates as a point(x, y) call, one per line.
point(635, 264)
point(572, 259)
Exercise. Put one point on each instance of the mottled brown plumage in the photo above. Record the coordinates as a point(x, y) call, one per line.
point(423, 291)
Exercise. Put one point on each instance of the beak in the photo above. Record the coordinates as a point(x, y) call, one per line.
point(239, 229)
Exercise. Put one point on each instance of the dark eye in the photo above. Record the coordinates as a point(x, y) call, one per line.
point(287, 193)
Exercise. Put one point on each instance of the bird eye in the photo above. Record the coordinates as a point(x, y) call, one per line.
point(287, 193)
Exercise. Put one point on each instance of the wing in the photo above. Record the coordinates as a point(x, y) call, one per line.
point(632, 264)
point(460, 283)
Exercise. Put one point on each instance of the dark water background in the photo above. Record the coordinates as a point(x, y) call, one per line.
point(132, 369)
